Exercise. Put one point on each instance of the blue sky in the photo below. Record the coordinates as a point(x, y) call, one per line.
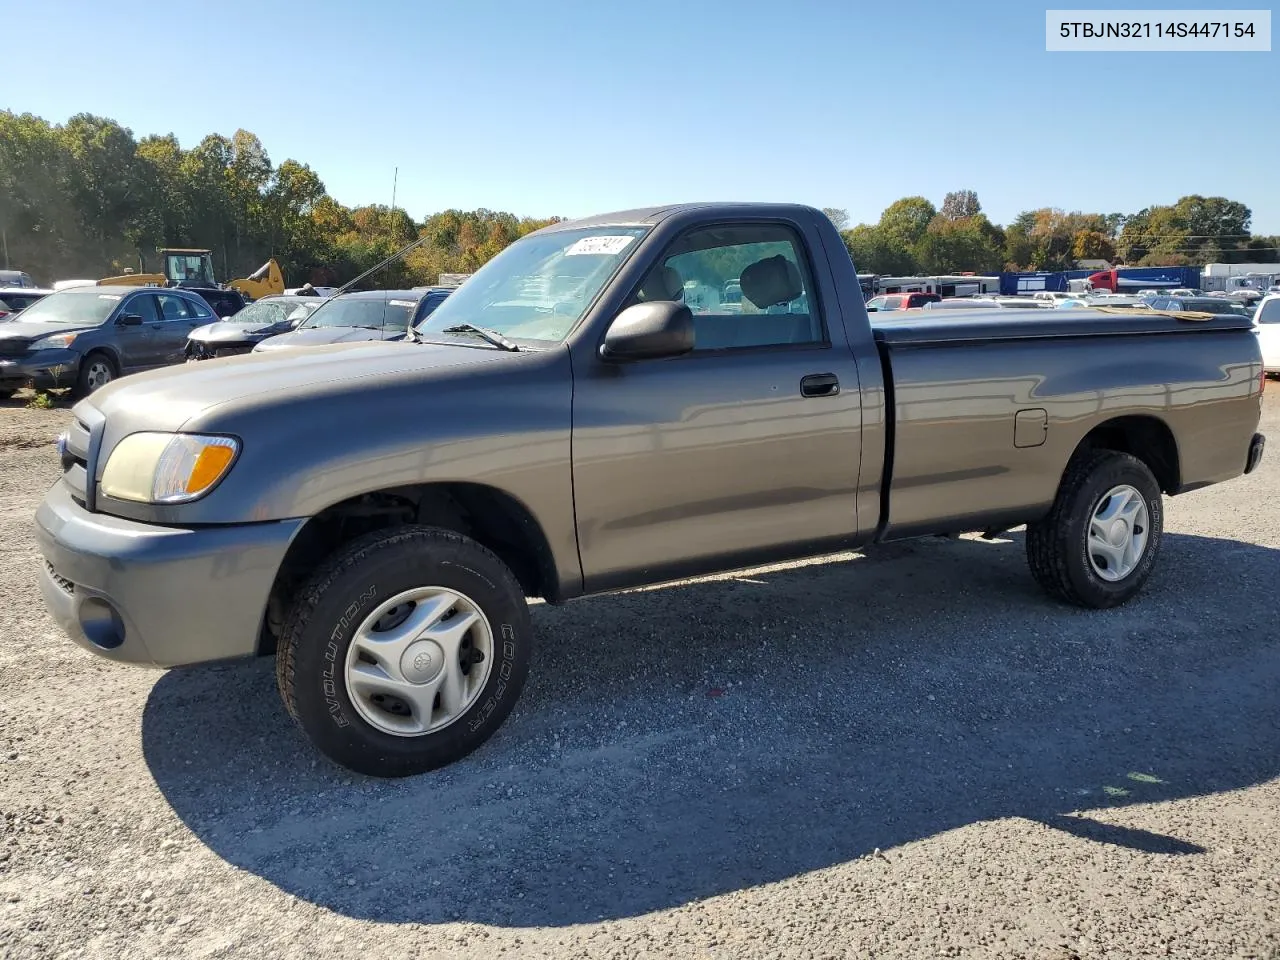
point(571, 107)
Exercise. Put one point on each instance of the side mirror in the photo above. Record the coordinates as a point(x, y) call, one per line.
point(649, 331)
point(129, 320)
point(872, 309)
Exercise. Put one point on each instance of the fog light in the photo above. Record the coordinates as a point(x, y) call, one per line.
point(101, 623)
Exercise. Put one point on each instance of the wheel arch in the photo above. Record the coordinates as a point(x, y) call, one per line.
point(490, 516)
point(1146, 437)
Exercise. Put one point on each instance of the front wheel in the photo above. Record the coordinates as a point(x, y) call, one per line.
point(96, 371)
point(1098, 544)
point(405, 651)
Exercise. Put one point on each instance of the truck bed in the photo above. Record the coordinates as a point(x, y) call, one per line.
point(930, 326)
point(984, 414)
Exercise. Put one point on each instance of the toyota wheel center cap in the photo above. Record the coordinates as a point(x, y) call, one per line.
point(422, 661)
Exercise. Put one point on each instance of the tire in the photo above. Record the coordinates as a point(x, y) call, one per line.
point(6, 393)
point(336, 607)
point(1063, 558)
point(97, 369)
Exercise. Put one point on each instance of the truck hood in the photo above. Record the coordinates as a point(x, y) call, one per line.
point(314, 336)
point(167, 398)
point(229, 331)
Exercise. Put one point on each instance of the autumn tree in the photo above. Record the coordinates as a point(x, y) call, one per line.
point(1092, 245)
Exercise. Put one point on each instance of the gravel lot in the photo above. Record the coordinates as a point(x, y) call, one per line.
point(908, 753)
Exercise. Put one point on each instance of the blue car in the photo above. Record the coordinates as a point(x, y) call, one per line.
point(85, 337)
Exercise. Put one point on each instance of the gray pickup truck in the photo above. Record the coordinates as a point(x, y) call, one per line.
point(375, 514)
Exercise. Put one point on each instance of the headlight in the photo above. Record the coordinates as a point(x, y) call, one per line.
point(167, 467)
point(55, 340)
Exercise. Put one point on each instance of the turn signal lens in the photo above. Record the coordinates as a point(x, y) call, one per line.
point(210, 464)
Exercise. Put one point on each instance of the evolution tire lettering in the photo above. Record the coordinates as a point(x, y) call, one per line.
point(329, 675)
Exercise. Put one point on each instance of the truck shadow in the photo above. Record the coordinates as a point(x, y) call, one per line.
point(680, 743)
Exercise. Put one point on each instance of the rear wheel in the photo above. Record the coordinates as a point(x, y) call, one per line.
point(405, 652)
point(1098, 545)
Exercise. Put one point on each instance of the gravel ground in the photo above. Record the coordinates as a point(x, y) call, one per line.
point(907, 753)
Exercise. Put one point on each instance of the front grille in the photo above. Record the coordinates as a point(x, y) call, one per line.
point(13, 351)
point(60, 580)
point(77, 455)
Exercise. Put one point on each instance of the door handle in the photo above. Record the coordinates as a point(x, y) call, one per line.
point(819, 385)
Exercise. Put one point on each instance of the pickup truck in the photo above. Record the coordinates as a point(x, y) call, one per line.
point(375, 515)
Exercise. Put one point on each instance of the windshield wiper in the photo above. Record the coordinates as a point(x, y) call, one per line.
point(493, 336)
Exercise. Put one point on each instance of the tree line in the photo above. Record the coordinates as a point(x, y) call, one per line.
point(914, 237)
point(89, 199)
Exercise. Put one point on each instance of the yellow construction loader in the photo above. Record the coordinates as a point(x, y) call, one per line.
point(194, 268)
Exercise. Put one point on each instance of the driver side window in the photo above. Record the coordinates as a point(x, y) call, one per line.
point(144, 305)
point(748, 285)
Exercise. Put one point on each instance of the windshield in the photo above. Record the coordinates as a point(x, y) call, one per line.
point(274, 311)
point(82, 307)
point(374, 313)
point(539, 287)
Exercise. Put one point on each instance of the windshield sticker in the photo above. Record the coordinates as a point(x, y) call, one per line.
point(610, 246)
point(401, 303)
point(109, 296)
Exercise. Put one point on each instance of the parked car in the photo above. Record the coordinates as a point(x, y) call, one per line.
point(900, 301)
point(1053, 296)
point(1196, 305)
point(224, 303)
point(85, 337)
point(240, 332)
point(13, 300)
point(1267, 323)
point(16, 278)
point(988, 303)
point(319, 291)
point(561, 426)
point(361, 315)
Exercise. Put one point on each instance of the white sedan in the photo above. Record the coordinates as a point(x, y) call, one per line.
point(1266, 322)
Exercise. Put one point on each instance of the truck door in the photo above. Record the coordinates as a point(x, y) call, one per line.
point(747, 447)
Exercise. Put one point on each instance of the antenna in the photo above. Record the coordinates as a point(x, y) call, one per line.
point(391, 259)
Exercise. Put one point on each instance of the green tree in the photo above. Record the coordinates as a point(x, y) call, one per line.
point(960, 205)
point(837, 216)
point(905, 221)
point(970, 243)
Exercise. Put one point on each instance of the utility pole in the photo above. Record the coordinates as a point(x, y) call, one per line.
point(4, 236)
point(394, 180)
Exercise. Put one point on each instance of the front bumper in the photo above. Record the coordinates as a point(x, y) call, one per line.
point(158, 596)
point(43, 369)
point(211, 350)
